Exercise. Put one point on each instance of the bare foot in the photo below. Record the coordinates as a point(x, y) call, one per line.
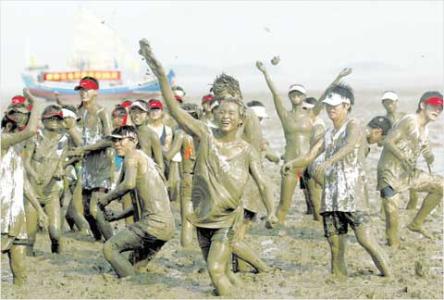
point(420, 230)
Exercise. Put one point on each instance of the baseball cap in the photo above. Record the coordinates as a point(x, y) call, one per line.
point(434, 101)
point(207, 98)
point(140, 104)
point(390, 96)
point(52, 111)
point(297, 88)
point(178, 91)
point(335, 99)
point(258, 108)
point(126, 103)
point(69, 113)
point(123, 132)
point(87, 84)
point(155, 104)
point(380, 122)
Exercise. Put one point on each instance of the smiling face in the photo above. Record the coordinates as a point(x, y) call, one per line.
point(432, 112)
point(138, 116)
point(228, 116)
point(390, 105)
point(296, 97)
point(87, 95)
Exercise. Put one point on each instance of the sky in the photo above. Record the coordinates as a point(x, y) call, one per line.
point(389, 44)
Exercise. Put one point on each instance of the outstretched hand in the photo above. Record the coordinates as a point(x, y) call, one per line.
point(146, 51)
point(260, 66)
point(345, 72)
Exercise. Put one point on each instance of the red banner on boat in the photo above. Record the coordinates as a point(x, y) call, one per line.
point(77, 75)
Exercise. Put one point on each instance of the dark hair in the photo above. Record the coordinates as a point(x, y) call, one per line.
point(344, 91)
point(255, 103)
point(91, 78)
point(380, 122)
point(426, 96)
point(311, 100)
point(6, 121)
point(126, 131)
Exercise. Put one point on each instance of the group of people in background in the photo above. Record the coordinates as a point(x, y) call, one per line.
point(64, 164)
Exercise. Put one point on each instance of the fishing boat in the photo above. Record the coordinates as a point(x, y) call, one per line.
point(100, 53)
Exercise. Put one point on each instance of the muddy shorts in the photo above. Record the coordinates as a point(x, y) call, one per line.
point(205, 236)
point(337, 222)
point(8, 241)
point(249, 215)
point(127, 239)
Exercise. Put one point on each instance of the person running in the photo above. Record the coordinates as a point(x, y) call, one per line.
point(342, 174)
point(397, 171)
point(223, 162)
point(153, 220)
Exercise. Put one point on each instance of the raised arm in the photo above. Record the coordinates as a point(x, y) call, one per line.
point(127, 184)
point(181, 116)
point(281, 111)
point(9, 139)
point(344, 72)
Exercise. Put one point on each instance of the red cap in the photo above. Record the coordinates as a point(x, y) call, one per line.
point(434, 101)
point(53, 114)
point(153, 103)
point(178, 98)
point(207, 98)
point(16, 100)
point(87, 84)
point(126, 103)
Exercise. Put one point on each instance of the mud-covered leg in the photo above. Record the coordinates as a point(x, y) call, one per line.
point(186, 208)
point(17, 257)
point(315, 190)
point(391, 220)
point(432, 200)
point(76, 209)
point(87, 197)
point(31, 227)
point(53, 211)
point(218, 259)
point(337, 248)
point(288, 185)
point(112, 250)
point(104, 226)
point(413, 199)
point(366, 240)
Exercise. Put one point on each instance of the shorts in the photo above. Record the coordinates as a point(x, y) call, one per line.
point(336, 222)
point(205, 236)
point(7, 241)
point(249, 215)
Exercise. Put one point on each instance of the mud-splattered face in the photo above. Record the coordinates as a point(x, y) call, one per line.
point(337, 112)
point(155, 114)
point(390, 105)
point(138, 116)
point(87, 95)
point(124, 146)
point(53, 123)
point(374, 135)
point(21, 119)
point(227, 116)
point(432, 112)
point(296, 97)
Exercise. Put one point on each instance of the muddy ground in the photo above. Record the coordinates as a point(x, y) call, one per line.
point(299, 253)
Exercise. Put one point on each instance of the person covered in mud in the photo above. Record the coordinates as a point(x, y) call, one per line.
point(260, 111)
point(97, 163)
point(223, 163)
point(377, 130)
point(149, 141)
point(153, 219)
point(342, 174)
point(311, 188)
point(45, 156)
point(13, 182)
point(185, 144)
point(390, 102)
point(298, 129)
point(397, 171)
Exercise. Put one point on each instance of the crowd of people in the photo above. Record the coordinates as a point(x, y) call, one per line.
point(64, 164)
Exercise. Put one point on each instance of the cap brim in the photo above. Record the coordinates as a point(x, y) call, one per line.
point(138, 105)
point(332, 102)
point(115, 136)
point(23, 110)
point(78, 88)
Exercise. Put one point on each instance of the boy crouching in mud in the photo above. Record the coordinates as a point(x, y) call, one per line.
point(342, 173)
point(153, 220)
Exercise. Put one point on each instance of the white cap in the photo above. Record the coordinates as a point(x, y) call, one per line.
point(298, 88)
point(390, 96)
point(307, 105)
point(335, 99)
point(68, 113)
point(139, 105)
point(259, 111)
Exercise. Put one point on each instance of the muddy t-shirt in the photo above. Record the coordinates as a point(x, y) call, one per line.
point(218, 184)
point(345, 187)
point(412, 143)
